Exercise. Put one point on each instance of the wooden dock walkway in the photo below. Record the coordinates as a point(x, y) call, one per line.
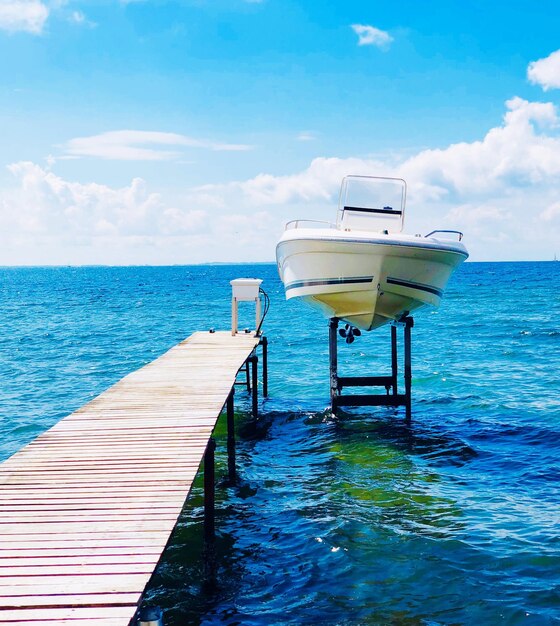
point(87, 508)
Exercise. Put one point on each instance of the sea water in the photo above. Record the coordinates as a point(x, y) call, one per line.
point(347, 519)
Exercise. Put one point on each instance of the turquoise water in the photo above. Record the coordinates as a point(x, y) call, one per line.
point(353, 519)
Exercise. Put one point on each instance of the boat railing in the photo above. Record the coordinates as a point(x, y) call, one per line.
point(449, 232)
point(306, 224)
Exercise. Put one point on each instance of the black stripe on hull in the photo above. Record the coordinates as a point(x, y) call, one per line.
point(328, 281)
point(411, 285)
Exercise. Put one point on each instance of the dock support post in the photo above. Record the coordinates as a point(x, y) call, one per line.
point(231, 437)
point(209, 491)
point(255, 384)
point(333, 361)
point(394, 362)
point(264, 343)
point(248, 377)
point(408, 324)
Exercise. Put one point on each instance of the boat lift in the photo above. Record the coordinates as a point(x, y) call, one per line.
point(392, 396)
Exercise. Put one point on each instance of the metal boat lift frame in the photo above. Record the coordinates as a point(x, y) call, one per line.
point(392, 397)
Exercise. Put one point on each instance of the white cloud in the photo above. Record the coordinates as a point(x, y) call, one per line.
point(501, 190)
point(138, 145)
point(306, 135)
point(524, 151)
point(51, 204)
point(77, 17)
point(371, 36)
point(545, 72)
point(45, 219)
point(23, 15)
point(552, 212)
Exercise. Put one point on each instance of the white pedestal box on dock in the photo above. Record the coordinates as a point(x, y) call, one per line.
point(244, 290)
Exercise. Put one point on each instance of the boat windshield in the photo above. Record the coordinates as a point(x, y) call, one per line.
point(372, 203)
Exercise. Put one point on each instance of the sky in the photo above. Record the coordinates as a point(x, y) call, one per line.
point(189, 131)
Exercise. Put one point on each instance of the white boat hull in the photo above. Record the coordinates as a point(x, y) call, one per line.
point(366, 279)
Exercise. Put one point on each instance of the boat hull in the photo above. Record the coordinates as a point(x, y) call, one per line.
point(366, 280)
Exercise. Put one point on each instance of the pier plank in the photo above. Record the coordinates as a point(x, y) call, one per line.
point(87, 508)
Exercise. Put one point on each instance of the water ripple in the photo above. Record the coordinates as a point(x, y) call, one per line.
point(349, 519)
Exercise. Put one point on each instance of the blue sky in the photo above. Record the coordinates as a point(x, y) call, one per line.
point(188, 131)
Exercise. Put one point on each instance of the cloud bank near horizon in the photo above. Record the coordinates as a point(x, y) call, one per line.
point(501, 190)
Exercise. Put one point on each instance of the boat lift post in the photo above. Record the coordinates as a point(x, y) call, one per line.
point(392, 397)
point(333, 361)
point(408, 324)
point(394, 362)
point(264, 344)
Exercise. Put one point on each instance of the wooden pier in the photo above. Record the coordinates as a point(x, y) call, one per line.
point(87, 508)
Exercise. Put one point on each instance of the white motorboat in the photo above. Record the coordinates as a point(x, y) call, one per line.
point(363, 269)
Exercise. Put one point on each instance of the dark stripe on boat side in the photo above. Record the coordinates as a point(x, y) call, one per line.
point(365, 210)
point(411, 285)
point(328, 281)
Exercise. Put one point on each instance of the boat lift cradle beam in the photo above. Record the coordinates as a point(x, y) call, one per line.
point(392, 397)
